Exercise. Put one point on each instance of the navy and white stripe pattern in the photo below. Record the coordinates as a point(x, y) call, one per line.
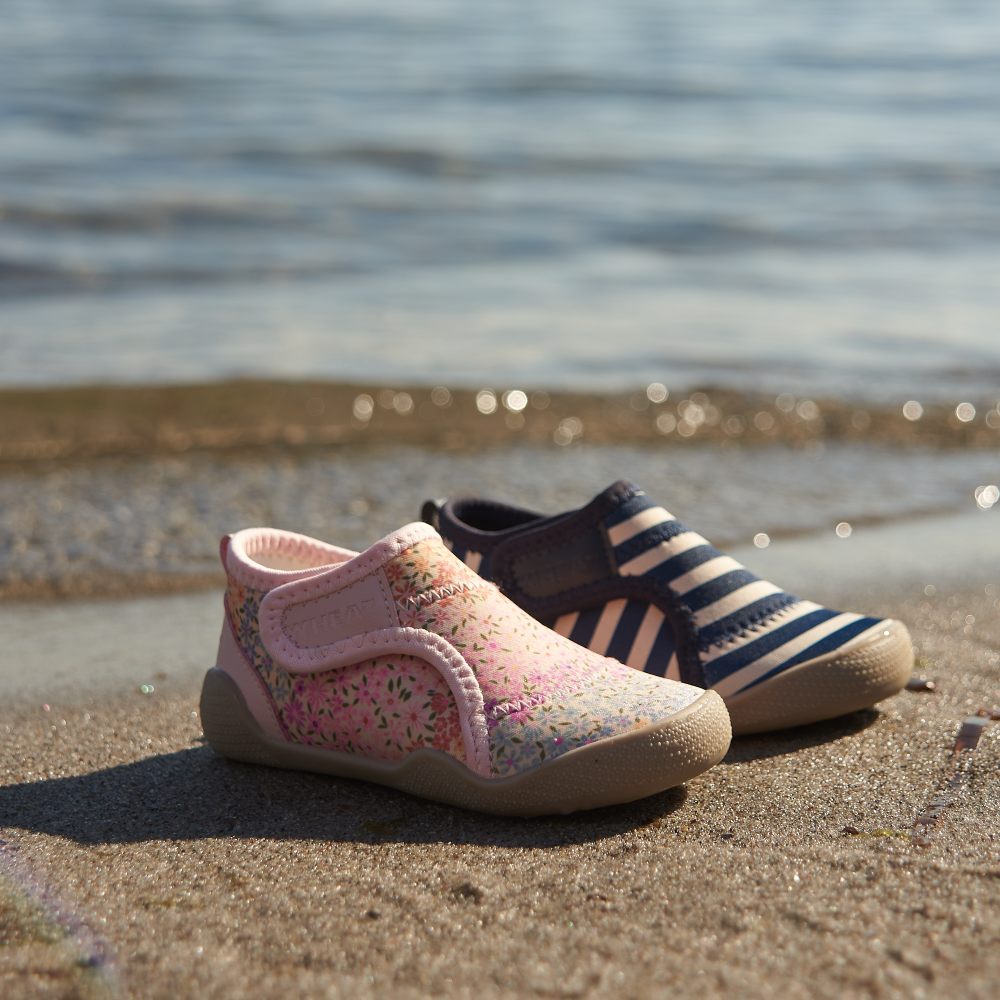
point(747, 629)
point(634, 632)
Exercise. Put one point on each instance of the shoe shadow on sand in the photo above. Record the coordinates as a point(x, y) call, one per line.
point(194, 794)
point(789, 741)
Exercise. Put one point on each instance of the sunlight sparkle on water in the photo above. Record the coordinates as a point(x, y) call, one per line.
point(568, 430)
point(364, 407)
point(486, 401)
point(402, 403)
point(666, 423)
point(987, 496)
point(515, 400)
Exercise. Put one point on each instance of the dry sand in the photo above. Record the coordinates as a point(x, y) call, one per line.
point(136, 863)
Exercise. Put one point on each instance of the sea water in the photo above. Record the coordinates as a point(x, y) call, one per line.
point(803, 196)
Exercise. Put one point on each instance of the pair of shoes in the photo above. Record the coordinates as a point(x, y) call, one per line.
point(405, 666)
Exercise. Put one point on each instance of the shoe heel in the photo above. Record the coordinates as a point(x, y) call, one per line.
point(229, 727)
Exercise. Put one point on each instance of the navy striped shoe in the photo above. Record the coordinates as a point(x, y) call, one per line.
point(625, 578)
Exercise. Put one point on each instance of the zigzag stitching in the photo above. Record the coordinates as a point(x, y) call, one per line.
point(503, 709)
point(438, 593)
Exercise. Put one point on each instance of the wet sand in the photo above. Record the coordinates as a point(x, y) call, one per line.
point(135, 862)
point(122, 526)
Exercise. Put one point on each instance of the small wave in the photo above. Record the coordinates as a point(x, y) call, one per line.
point(63, 422)
point(425, 161)
point(586, 85)
point(921, 62)
point(701, 235)
point(29, 278)
point(19, 278)
point(151, 216)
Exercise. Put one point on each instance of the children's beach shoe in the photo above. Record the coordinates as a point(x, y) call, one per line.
point(626, 579)
point(402, 666)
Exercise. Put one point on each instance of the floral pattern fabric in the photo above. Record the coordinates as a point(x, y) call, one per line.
point(384, 707)
point(543, 695)
point(426, 567)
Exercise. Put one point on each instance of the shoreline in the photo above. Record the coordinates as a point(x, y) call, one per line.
point(116, 527)
point(882, 571)
point(957, 545)
point(254, 417)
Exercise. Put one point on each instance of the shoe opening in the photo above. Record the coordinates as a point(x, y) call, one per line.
point(267, 556)
point(486, 515)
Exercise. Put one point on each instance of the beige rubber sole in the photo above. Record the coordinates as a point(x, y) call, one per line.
point(612, 771)
point(828, 686)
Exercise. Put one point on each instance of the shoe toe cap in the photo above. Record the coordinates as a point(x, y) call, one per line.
point(875, 666)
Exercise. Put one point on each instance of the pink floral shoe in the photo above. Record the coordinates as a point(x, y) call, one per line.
point(402, 666)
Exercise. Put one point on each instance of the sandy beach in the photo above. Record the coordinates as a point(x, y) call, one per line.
point(851, 858)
